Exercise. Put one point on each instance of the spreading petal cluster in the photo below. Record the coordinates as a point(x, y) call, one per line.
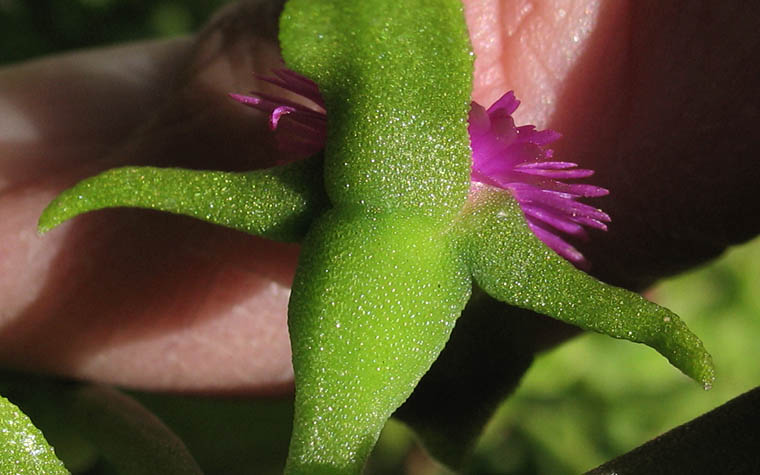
point(503, 155)
point(305, 131)
point(516, 159)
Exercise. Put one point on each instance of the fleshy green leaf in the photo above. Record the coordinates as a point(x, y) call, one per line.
point(396, 78)
point(23, 448)
point(379, 283)
point(277, 203)
point(374, 301)
point(512, 265)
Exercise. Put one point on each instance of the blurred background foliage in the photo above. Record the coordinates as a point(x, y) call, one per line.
point(580, 405)
point(595, 397)
point(31, 28)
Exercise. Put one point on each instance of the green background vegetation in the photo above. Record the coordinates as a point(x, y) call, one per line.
point(580, 405)
point(31, 28)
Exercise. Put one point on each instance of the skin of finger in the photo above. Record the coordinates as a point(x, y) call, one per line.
point(143, 300)
point(72, 108)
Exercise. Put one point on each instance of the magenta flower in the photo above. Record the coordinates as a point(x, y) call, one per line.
point(514, 158)
point(503, 155)
point(305, 132)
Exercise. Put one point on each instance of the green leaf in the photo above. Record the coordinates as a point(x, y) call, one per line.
point(23, 448)
point(379, 283)
point(396, 78)
point(373, 303)
point(132, 439)
point(277, 203)
point(512, 265)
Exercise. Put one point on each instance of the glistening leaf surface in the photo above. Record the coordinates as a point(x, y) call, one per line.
point(379, 283)
point(373, 303)
point(277, 203)
point(23, 448)
point(396, 79)
point(512, 265)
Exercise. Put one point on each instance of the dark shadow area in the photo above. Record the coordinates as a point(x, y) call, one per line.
point(670, 128)
point(490, 349)
point(725, 440)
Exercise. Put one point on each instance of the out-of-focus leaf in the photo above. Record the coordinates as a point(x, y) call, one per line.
point(725, 440)
point(132, 439)
point(129, 438)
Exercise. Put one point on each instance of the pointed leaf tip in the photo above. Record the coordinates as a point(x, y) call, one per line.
point(513, 266)
point(276, 203)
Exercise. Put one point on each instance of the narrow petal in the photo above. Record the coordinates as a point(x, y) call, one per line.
point(547, 165)
point(507, 103)
point(305, 130)
point(559, 221)
point(298, 84)
point(545, 137)
point(560, 246)
point(557, 174)
point(576, 190)
point(278, 112)
point(528, 193)
point(590, 222)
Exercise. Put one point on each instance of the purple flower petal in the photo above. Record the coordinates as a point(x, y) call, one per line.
point(507, 103)
point(294, 82)
point(300, 130)
point(556, 220)
point(278, 112)
point(560, 246)
point(525, 193)
point(545, 137)
point(515, 158)
point(556, 174)
point(546, 165)
point(576, 190)
point(590, 222)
